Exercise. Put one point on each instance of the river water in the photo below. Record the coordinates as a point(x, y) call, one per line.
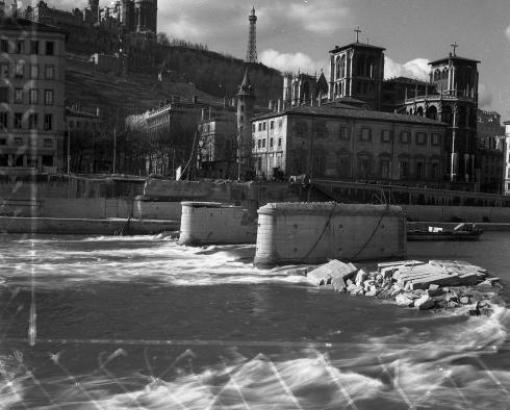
point(142, 323)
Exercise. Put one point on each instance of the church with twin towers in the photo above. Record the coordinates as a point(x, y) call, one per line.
point(397, 130)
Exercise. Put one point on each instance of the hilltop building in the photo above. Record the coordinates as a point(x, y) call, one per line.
point(32, 92)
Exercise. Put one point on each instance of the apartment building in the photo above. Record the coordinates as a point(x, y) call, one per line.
point(32, 92)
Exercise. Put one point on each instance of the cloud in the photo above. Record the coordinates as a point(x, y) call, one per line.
point(417, 68)
point(319, 17)
point(291, 61)
point(485, 96)
point(507, 33)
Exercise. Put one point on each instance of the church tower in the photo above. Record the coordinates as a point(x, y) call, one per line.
point(245, 110)
point(357, 72)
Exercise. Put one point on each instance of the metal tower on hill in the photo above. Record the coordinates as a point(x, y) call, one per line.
point(251, 54)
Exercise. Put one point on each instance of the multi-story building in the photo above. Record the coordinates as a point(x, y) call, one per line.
point(506, 161)
point(80, 151)
point(170, 130)
point(32, 88)
point(339, 141)
point(491, 143)
point(217, 153)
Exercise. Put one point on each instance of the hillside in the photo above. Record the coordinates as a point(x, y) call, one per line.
point(217, 74)
point(117, 95)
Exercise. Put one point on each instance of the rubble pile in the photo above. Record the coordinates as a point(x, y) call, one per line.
point(422, 285)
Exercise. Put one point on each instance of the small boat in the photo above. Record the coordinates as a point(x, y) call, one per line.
point(462, 232)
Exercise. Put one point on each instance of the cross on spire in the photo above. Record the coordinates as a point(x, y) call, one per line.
point(454, 46)
point(357, 31)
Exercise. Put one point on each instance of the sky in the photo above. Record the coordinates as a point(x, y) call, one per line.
point(298, 34)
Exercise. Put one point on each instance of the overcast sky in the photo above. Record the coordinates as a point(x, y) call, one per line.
point(297, 34)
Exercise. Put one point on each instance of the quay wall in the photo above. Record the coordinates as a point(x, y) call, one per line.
point(430, 213)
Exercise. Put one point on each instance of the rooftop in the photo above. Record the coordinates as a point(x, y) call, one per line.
point(342, 111)
point(12, 23)
point(454, 58)
point(354, 45)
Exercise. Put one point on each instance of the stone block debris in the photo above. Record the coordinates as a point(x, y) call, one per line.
point(334, 269)
point(440, 284)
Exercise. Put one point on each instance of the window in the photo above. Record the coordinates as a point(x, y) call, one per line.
point(50, 48)
point(366, 134)
point(20, 46)
point(404, 137)
point(48, 143)
point(280, 122)
point(18, 161)
point(343, 133)
point(419, 170)
point(18, 96)
point(271, 142)
point(49, 72)
point(385, 168)
point(4, 160)
point(4, 95)
point(279, 142)
point(4, 70)
point(33, 96)
point(34, 71)
point(3, 141)
point(259, 143)
point(385, 136)
point(33, 120)
point(18, 120)
point(264, 126)
point(404, 169)
point(263, 143)
point(48, 122)
point(260, 126)
point(18, 141)
point(47, 160)
point(421, 138)
point(34, 47)
point(272, 125)
point(32, 162)
point(4, 119)
point(434, 170)
point(4, 46)
point(435, 139)
point(253, 128)
point(19, 69)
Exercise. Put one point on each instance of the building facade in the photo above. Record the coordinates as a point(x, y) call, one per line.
point(455, 102)
point(217, 147)
point(491, 145)
point(350, 144)
point(32, 92)
point(506, 160)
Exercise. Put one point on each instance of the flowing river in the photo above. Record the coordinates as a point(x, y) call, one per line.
point(142, 323)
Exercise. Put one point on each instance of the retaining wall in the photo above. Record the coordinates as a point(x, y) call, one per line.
point(456, 213)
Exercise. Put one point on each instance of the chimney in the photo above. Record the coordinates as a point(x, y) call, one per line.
point(279, 105)
point(271, 105)
point(195, 99)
